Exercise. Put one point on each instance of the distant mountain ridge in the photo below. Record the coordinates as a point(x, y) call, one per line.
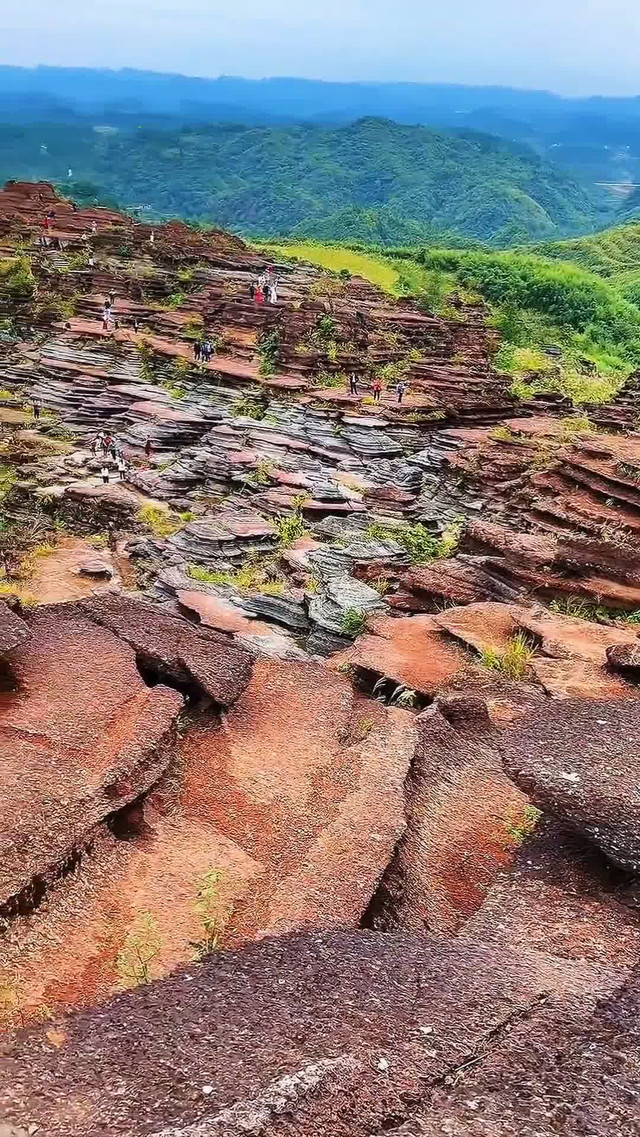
point(373, 180)
point(597, 137)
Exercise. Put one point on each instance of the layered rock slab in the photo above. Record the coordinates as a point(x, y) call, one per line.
point(580, 762)
point(366, 1026)
point(81, 736)
point(174, 648)
point(309, 781)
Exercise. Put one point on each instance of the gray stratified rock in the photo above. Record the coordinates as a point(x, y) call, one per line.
point(343, 594)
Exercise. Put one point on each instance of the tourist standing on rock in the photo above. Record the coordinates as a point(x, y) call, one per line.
point(36, 409)
point(147, 448)
point(353, 384)
point(113, 448)
point(105, 475)
point(273, 293)
point(106, 316)
point(91, 260)
point(252, 289)
point(122, 466)
point(197, 350)
point(94, 226)
point(401, 388)
point(152, 238)
point(136, 324)
point(259, 296)
point(377, 389)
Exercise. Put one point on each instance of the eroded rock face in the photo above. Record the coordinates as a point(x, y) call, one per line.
point(367, 1023)
point(580, 763)
point(171, 647)
point(13, 630)
point(82, 736)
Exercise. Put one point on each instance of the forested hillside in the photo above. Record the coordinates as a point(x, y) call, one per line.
point(597, 137)
point(371, 181)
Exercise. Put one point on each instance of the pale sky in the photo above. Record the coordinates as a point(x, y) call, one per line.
point(569, 46)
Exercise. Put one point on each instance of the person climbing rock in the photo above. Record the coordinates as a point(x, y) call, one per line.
point(353, 384)
point(105, 475)
point(401, 388)
point(377, 389)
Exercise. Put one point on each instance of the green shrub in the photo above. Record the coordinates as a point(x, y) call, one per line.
point(353, 622)
point(290, 529)
point(17, 281)
point(161, 522)
point(514, 661)
point(141, 946)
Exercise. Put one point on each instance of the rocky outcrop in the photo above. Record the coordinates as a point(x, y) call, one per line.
point(13, 630)
point(591, 781)
point(82, 736)
point(169, 649)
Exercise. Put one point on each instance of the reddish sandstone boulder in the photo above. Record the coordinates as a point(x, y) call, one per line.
point(172, 648)
point(580, 761)
point(81, 736)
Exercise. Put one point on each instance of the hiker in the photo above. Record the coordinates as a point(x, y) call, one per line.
point(112, 299)
point(377, 389)
point(401, 388)
point(273, 293)
point(111, 446)
point(135, 324)
point(152, 238)
point(105, 475)
point(106, 316)
point(252, 289)
point(94, 226)
point(97, 443)
point(353, 384)
point(207, 350)
point(36, 409)
point(197, 350)
point(259, 296)
point(147, 448)
point(116, 323)
point(122, 466)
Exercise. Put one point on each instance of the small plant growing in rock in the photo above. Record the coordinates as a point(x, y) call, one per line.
point(381, 585)
point(290, 529)
point(514, 661)
point(354, 621)
point(212, 913)
point(141, 946)
point(268, 349)
point(161, 522)
point(263, 471)
point(523, 826)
